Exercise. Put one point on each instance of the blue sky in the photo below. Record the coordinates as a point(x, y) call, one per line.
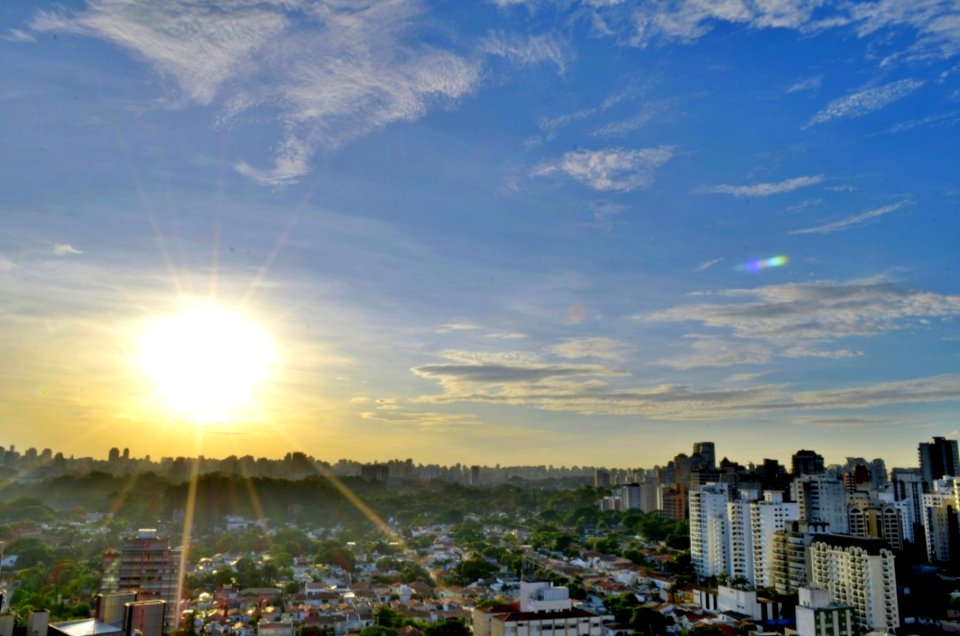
point(510, 231)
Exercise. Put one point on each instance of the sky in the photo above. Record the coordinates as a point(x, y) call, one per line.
point(568, 232)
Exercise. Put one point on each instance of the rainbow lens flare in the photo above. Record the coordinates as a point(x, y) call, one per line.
point(763, 263)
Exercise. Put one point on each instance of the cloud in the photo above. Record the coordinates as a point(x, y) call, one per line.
point(705, 265)
point(808, 352)
point(613, 169)
point(851, 221)
point(497, 335)
point(767, 189)
point(628, 125)
point(589, 389)
point(550, 125)
point(935, 21)
point(864, 101)
point(601, 348)
point(795, 313)
point(344, 69)
point(16, 35)
point(529, 51)
point(457, 326)
point(63, 249)
point(808, 84)
point(689, 20)
point(422, 419)
point(715, 352)
point(949, 118)
point(603, 213)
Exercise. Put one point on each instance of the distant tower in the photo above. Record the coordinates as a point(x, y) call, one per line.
point(601, 478)
point(708, 451)
point(113, 455)
point(938, 459)
point(474, 475)
point(806, 462)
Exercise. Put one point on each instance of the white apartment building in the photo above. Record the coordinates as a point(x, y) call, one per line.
point(767, 517)
point(709, 536)
point(858, 572)
point(542, 610)
point(821, 499)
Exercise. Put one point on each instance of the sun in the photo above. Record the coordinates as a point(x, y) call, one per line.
point(205, 364)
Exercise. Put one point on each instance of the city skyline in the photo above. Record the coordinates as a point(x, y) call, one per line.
point(515, 232)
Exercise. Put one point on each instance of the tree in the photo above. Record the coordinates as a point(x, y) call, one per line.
point(449, 627)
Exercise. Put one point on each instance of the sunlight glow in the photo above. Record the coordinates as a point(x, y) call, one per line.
point(205, 364)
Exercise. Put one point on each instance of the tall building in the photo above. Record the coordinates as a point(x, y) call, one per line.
point(145, 564)
point(806, 462)
point(858, 572)
point(708, 451)
point(908, 491)
point(821, 499)
point(672, 501)
point(768, 517)
point(938, 459)
point(941, 524)
point(709, 543)
point(879, 520)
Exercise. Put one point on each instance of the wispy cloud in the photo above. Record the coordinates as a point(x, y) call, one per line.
point(631, 124)
point(600, 348)
point(457, 326)
point(705, 265)
point(851, 221)
point(527, 51)
point(16, 35)
point(711, 351)
point(946, 119)
point(63, 249)
point(613, 169)
point(345, 70)
point(864, 101)
point(688, 21)
point(810, 352)
point(808, 84)
point(603, 213)
point(800, 313)
point(550, 125)
point(767, 189)
point(590, 389)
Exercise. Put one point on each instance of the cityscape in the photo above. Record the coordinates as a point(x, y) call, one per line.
point(697, 546)
point(479, 317)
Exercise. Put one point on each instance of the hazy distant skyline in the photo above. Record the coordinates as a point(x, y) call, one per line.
point(518, 232)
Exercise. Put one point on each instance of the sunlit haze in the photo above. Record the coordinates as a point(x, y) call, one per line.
point(515, 232)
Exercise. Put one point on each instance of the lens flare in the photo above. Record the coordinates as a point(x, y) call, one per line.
point(763, 263)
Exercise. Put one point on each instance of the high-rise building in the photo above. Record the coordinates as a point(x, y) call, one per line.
point(858, 572)
point(879, 520)
point(672, 501)
point(768, 516)
point(806, 462)
point(708, 451)
point(821, 499)
point(938, 459)
point(145, 564)
point(941, 524)
point(709, 543)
